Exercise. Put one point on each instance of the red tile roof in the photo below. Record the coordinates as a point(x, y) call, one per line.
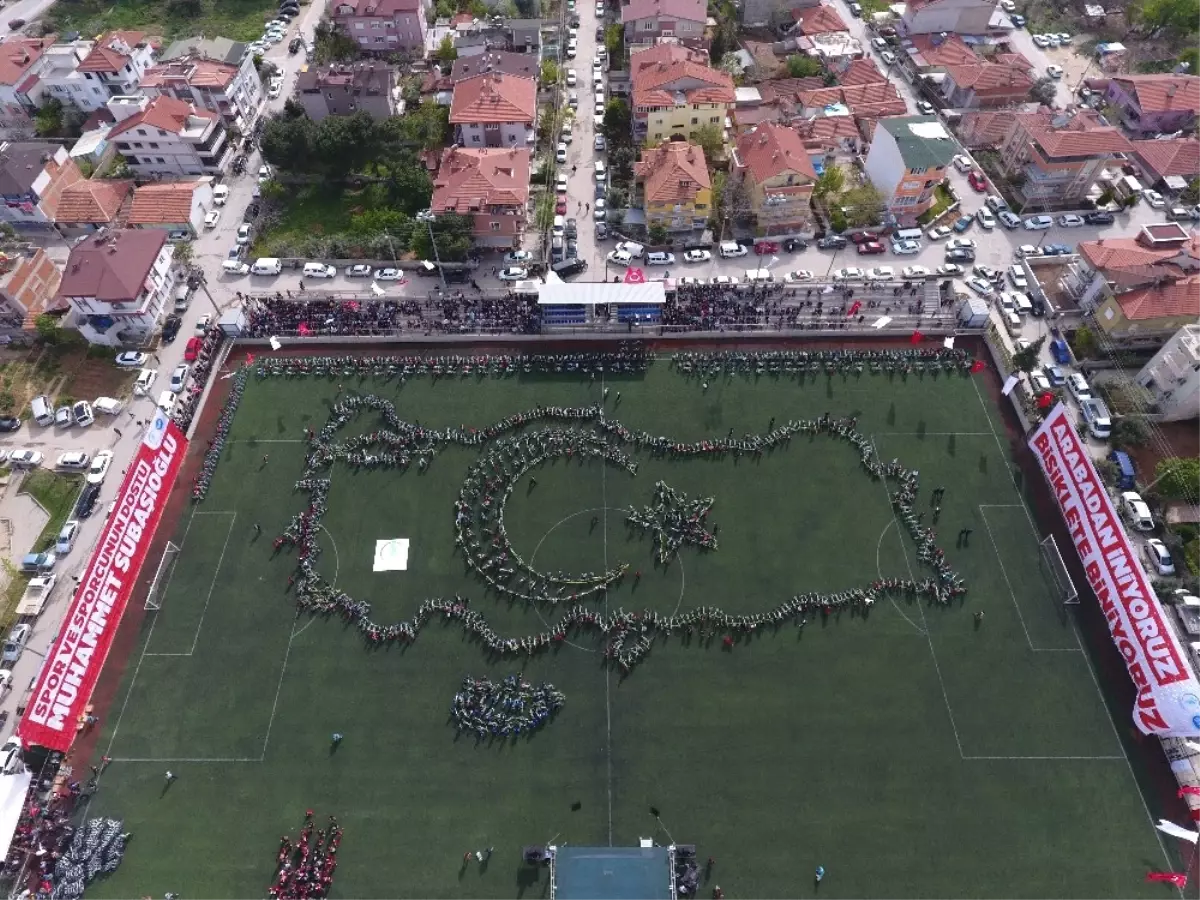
point(875, 100)
point(930, 53)
point(861, 71)
point(673, 172)
point(688, 10)
point(475, 179)
point(111, 52)
point(494, 98)
point(163, 204)
point(167, 113)
point(828, 131)
point(18, 54)
point(1171, 300)
point(789, 89)
point(1082, 136)
point(771, 150)
point(665, 53)
point(114, 267)
point(1126, 255)
point(819, 19)
point(656, 86)
point(1162, 93)
point(94, 200)
point(199, 72)
point(988, 78)
point(1180, 156)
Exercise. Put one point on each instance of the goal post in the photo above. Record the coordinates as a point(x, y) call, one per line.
point(161, 576)
point(1053, 561)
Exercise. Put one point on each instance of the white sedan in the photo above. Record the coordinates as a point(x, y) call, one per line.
point(697, 256)
point(851, 274)
point(359, 270)
point(513, 273)
point(906, 248)
point(211, 220)
point(518, 257)
point(560, 184)
point(950, 270)
point(881, 273)
point(1159, 557)
point(73, 461)
point(981, 286)
point(938, 232)
point(220, 194)
point(1155, 199)
point(130, 360)
point(798, 275)
point(1070, 220)
point(99, 467)
point(917, 272)
point(572, 78)
point(25, 459)
point(960, 244)
point(389, 274)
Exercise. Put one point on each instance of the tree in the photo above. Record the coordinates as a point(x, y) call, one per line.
point(445, 9)
point(657, 234)
point(426, 126)
point(614, 43)
point(49, 119)
point(331, 45)
point(800, 66)
point(183, 253)
point(550, 72)
point(1044, 90)
point(453, 234)
point(1179, 16)
point(1027, 360)
point(48, 329)
point(1178, 478)
point(1130, 431)
point(184, 9)
point(863, 205)
point(710, 139)
point(618, 124)
point(287, 143)
point(528, 9)
point(830, 182)
point(445, 52)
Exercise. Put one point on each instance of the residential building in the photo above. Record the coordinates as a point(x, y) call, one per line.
point(987, 84)
point(819, 19)
point(176, 207)
point(91, 204)
point(234, 92)
point(116, 64)
point(928, 54)
point(1054, 164)
point(383, 26)
point(673, 186)
point(57, 76)
point(907, 160)
point(988, 130)
point(93, 149)
point(1138, 291)
point(28, 288)
point(18, 56)
point(489, 185)
point(342, 90)
point(677, 97)
point(758, 13)
point(220, 49)
point(877, 100)
point(33, 175)
point(951, 16)
point(1155, 104)
point(494, 110)
point(646, 21)
point(118, 284)
point(165, 136)
point(526, 65)
point(1173, 163)
point(1173, 376)
point(525, 35)
point(777, 171)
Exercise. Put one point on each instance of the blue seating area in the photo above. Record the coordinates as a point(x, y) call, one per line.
point(567, 314)
point(626, 312)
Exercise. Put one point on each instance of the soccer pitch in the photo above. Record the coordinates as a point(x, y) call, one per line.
point(911, 750)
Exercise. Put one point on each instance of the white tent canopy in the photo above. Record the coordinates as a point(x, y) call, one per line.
point(13, 789)
point(593, 293)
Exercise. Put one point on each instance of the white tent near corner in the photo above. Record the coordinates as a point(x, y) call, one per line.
point(13, 790)
point(595, 293)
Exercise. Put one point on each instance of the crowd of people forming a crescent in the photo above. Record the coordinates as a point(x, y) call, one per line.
point(509, 708)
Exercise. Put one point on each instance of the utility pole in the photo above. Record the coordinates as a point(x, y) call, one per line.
point(436, 257)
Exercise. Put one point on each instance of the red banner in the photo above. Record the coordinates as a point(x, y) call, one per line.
point(73, 663)
point(1168, 701)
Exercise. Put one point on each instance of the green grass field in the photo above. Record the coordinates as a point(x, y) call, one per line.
point(909, 752)
point(239, 20)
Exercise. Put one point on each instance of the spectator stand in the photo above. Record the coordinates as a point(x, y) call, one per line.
point(595, 303)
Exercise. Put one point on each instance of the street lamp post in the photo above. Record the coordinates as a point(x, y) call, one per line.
point(436, 258)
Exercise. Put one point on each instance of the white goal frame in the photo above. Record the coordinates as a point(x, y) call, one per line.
point(1067, 593)
point(156, 583)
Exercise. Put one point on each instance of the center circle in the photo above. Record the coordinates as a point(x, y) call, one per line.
point(583, 512)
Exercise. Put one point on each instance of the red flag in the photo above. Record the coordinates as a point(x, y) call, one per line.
point(1192, 789)
point(304, 329)
point(978, 366)
point(634, 276)
point(854, 308)
point(352, 305)
point(1178, 879)
point(249, 359)
point(1045, 400)
point(916, 337)
point(1196, 814)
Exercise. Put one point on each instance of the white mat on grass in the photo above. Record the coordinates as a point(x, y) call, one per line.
point(391, 555)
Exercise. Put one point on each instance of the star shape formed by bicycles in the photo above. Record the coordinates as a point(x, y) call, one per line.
point(674, 520)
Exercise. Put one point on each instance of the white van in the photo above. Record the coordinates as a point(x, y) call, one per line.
point(1023, 303)
point(633, 249)
point(907, 234)
point(234, 267)
point(182, 295)
point(268, 265)
point(1097, 417)
point(1012, 322)
point(730, 249)
point(41, 410)
point(758, 276)
point(166, 401)
point(110, 406)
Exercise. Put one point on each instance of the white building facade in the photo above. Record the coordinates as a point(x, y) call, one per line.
point(1173, 376)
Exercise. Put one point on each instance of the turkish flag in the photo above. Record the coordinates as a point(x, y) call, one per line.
point(916, 337)
point(1176, 878)
point(978, 366)
point(854, 308)
point(1045, 400)
point(304, 330)
point(1192, 789)
point(352, 305)
point(249, 359)
point(634, 276)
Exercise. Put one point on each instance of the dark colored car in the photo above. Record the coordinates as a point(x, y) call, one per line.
point(171, 328)
point(960, 254)
point(887, 31)
point(832, 242)
point(14, 24)
point(762, 248)
point(87, 501)
point(861, 237)
point(870, 248)
point(9, 423)
point(795, 245)
point(1099, 218)
point(964, 223)
point(295, 45)
point(600, 32)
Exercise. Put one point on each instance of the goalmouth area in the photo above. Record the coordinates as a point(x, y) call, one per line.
point(911, 748)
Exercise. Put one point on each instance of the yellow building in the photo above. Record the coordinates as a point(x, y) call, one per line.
point(674, 186)
point(674, 95)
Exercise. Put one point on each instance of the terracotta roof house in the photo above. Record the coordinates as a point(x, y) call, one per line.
point(18, 56)
point(33, 176)
point(875, 101)
point(118, 61)
point(28, 287)
point(777, 170)
point(646, 21)
point(1140, 292)
point(494, 110)
point(90, 204)
point(985, 84)
point(819, 19)
point(926, 53)
point(990, 129)
point(232, 90)
point(664, 53)
point(1055, 166)
point(382, 26)
point(860, 71)
point(672, 184)
point(178, 207)
point(678, 98)
point(1155, 104)
point(489, 185)
point(166, 136)
point(1160, 160)
point(118, 285)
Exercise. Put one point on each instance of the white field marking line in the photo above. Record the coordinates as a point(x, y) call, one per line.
point(607, 668)
point(879, 572)
point(212, 585)
point(921, 608)
point(1012, 594)
point(935, 433)
point(267, 441)
point(1045, 758)
point(279, 687)
point(185, 759)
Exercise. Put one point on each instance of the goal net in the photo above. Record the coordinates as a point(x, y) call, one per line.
point(1053, 562)
point(161, 576)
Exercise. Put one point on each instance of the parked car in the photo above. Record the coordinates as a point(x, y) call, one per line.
point(985, 217)
point(82, 413)
point(960, 244)
point(75, 461)
point(1159, 557)
point(981, 286)
point(798, 276)
point(963, 223)
point(916, 273)
point(697, 256)
point(1099, 218)
point(881, 273)
point(145, 380)
point(192, 350)
point(831, 242)
point(99, 467)
point(1078, 386)
point(1009, 219)
point(1155, 199)
point(25, 459)
point(960, 255)
point(849, 274)
point(938, 232)
point(870, 248)
point(1136, 511)
point(359, 270)
point(179, 377)
point(211, 220)
point(130, 360)
point(1070, 220)
point(1038, 223)
point(9, 423)
point(171, 326)
point(513, 273)
point(978, 182)
point(1017, 276)
point(389, 274)
point(906, 248)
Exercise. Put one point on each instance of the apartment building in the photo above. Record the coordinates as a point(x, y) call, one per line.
point(383, 26)
point(33, 176)
point(676, 96)
point(1173, 375)
point(489, 185)
point(673, 186)
point(777, 171)
point(344, 89)
point(646, 22)
point(167, 137)
point(907, 160)
point(494, 110)
point(232, 91)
